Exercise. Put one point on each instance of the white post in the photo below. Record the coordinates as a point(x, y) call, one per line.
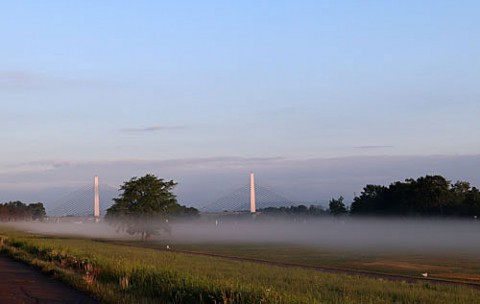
point(252, 194)
point(96, 199)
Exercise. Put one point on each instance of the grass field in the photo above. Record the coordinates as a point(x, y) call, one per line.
point(129, 273)
point(460, 267)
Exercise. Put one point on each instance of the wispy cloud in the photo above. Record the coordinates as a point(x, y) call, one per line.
point(151, 129)
point(35, 166)
point(366, 147)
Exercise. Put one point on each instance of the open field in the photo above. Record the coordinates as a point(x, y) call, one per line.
point(123, 273)
point(460, 268)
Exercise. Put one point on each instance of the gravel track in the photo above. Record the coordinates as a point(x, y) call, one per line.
point(21, 283)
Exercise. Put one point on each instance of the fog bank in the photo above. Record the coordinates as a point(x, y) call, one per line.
point(416, 236)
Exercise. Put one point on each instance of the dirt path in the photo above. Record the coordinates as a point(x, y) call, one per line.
point(20, 283)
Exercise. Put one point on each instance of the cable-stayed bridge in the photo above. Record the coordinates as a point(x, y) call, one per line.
point(248, 197)
point(81, 201)
point(240, 199)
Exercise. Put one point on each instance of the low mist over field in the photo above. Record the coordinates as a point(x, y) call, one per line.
point(414, 236)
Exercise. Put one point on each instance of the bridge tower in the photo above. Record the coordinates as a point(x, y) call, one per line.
point(96, 199)
point(253, 207)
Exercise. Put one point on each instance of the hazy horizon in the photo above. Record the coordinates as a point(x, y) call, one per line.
point(202, 181)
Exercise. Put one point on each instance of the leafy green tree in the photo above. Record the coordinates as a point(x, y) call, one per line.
point(459, 193)
point(432, 194)
point(370, 200)
point(472, 202)
point(143, 206)
point(185, 212)
point(337, 207)
point(37, 211)
point(18, 211)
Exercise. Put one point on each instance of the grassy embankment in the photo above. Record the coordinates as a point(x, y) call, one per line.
point(126, 274)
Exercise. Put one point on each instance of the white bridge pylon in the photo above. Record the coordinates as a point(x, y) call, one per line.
point(96, 199)
point(253, 207)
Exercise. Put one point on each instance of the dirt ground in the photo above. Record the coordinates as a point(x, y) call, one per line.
point(20, 283)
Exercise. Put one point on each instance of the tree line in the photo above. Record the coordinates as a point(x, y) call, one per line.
point(18, 211)
point(146, 204)
point(430, 195)
point(303, 210)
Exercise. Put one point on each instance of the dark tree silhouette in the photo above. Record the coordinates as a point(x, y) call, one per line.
point(337, 207)
point(144, 206)
point(18, 211)
point(431, 195)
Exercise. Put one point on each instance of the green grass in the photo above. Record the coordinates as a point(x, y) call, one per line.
point(117, 273)
point(460, 267)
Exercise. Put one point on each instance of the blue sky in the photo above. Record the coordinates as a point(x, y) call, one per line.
point(95, 82)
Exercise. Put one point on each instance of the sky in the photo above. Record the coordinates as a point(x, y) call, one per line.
point(211, 90)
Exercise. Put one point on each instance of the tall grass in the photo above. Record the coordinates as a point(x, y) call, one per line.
point(125, 274)
point(442, 265)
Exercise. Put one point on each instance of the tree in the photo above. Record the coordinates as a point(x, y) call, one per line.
point(459, 193)
point(472, 202)
point(430, 195)
point(143, 206)
point(37, 210)
point(370, 200)
point(18, 211)
point(337, 207)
